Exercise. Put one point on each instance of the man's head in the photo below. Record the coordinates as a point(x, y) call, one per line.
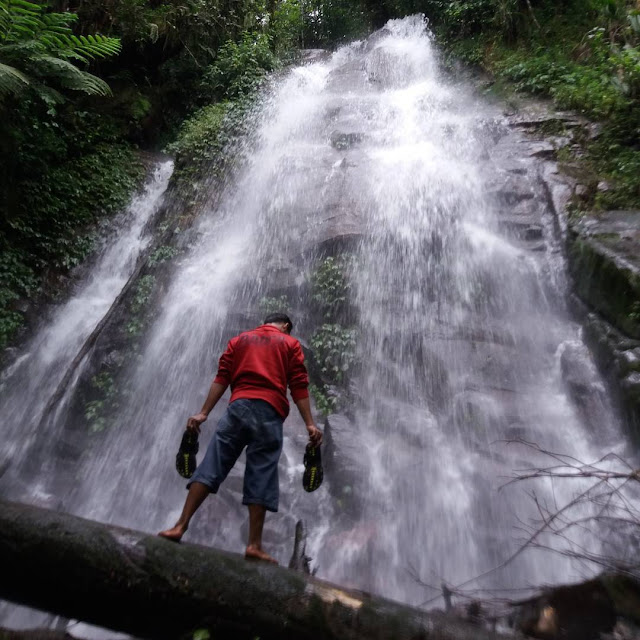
point(280, 320)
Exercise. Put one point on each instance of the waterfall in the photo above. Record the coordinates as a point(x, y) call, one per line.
point(28, 383)
point(372, 152)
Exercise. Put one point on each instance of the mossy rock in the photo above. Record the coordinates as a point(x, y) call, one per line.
point(603, 260)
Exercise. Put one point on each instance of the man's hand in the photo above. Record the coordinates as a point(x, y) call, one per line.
point(315, 435)
point(194, 422)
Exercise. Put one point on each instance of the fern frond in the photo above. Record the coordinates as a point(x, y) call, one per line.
point(95, 46)
point(47, 94)
point(12, 81)
point(37, 48)
point(69, 76)
point(18, 15)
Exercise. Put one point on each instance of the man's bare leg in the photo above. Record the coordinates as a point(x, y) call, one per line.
point(196, 496)
point(254, 547)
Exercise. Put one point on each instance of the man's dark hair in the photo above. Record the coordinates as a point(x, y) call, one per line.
point(279, 317)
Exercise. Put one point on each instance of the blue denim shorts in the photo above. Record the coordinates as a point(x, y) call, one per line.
point(253, 424)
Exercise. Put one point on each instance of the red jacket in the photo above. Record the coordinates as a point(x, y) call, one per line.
point(259, 364)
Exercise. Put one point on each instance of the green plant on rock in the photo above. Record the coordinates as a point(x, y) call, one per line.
point(325, 404)
point(330, 287)
point(269, 305)
point(162, 254)
point(138, 305)
point(104, 386)
point(334, 349)
point(240, 67)
point(142, 294)
point(39, 51)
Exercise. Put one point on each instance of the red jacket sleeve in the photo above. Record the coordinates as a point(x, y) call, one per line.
point(297, 375)
point(225, 366)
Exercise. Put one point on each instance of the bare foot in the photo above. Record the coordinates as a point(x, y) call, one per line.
point(174, 534)
point(254, 553)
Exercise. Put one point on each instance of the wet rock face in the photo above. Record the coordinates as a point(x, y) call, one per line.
point(584, 384)
point(618, 357)
point(605, 265)
point(579, 612)
point(343, 459)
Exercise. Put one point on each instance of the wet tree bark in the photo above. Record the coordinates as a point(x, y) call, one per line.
point(153, 588)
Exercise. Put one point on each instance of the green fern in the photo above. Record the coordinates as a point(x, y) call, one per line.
point(38, 49)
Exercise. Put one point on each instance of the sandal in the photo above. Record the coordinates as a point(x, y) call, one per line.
point(186, 457)
point(313, 473)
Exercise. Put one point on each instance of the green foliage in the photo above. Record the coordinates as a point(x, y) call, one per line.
point(104, 387)
point(334, 349)
point(586, 57)
point(286, 26)
point(200, 144)
point(162, 254)
point(138, 307)
point(273, 305)
point(205, 140)
point(143, 292)
point(61, 173)
point(330, 287)
point(38, 50)
point(325, 404)
point(331, 21)
point(239, 68)
point(201, 634)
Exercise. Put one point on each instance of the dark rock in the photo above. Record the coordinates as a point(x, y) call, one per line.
point(629, 360)
point(374, 39)
point(581, 191)
point(624, 591)
point(615, 355)
point(300, 561)
point(350, 76)
point(345, 140)
point(604, 259)
point(583, 381)
point(577, 612)
point(631, 386)
point(342, 458)
point(534, 232)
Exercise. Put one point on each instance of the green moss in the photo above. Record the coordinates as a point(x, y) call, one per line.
point(612, 290)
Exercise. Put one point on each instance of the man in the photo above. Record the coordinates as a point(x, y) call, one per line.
point(258, 365)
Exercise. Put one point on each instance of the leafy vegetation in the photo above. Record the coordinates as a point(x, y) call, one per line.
point(75, 105)
point(62, 168)
point(334, 349)
point(330, 287)
point(38, 51)
point(584, 55)
point(268, 305)
point(333, 343)
point(71, 119)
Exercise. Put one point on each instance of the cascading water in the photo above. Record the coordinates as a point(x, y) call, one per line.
point(374, 153)
point(27, 385)
point(30, 381)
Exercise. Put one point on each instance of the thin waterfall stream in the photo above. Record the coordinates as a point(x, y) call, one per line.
point(374, 157)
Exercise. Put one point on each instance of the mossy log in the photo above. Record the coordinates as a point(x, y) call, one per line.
point(153, 588)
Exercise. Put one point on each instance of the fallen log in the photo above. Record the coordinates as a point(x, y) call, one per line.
point(152, 588)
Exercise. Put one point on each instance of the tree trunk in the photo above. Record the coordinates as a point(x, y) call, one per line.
point(153, 588)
